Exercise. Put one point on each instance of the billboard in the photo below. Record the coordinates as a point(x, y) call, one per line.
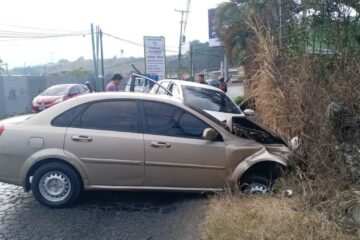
point(213, 38)
point(155, 56)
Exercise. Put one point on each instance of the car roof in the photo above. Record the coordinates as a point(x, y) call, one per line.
point(50, 113)
point(65, 85)
point(192, 84)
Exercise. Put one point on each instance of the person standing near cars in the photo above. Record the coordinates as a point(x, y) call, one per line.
point(113, 85)
point(201, 79)
point(223, 84)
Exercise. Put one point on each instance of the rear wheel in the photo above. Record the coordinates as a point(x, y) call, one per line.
point(56, 185)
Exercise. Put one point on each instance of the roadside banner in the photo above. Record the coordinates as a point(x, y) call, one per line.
point(213, 38)
point(155, 56)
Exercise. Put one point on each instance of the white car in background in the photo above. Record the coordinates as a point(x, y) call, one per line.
point(210, 99)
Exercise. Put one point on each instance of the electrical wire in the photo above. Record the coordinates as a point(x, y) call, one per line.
point(37, 28)
point(133, 42)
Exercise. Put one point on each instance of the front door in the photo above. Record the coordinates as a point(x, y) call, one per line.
point(107, 138)
point(176, 156)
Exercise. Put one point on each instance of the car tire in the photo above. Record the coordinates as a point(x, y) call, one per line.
point(255, 185)
point(56, 185)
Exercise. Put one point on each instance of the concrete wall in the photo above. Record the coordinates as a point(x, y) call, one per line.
point(17, 92)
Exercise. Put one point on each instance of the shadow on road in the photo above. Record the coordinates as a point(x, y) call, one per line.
point(164, 202)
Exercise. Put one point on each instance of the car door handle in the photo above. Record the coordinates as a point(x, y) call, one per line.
point(160, 145)
point(81, 138)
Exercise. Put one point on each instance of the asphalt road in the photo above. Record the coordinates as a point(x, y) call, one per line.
point(235, 89)
point(102, 215)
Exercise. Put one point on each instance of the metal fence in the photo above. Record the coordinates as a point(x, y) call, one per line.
point(17, 92)
point(314, 26)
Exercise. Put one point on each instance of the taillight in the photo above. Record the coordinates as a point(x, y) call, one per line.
point(2, 128)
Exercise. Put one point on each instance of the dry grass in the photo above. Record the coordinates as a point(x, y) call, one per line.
point(270, 218)
point(292, 93)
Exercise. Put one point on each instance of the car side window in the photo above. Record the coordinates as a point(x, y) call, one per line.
point(161, 90)
point(66, 118)
point(121, 116)
point(169, 120)
point(74, 91)
point(81, 89)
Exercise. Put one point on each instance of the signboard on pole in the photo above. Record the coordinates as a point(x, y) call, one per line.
point(213, 38)
point(155, 56)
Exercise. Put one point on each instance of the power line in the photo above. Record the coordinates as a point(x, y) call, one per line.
point(37, 28)
point(132, 42)
point(15, 37)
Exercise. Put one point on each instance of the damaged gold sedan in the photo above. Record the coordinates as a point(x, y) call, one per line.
point(133, 141)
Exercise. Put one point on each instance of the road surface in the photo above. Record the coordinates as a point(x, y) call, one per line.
point(235, 89)
point(102, 215)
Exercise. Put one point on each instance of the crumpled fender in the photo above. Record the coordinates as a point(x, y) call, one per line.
point(262, 156)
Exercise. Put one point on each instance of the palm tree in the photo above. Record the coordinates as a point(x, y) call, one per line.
point(232, 24)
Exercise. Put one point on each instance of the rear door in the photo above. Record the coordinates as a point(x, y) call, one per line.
point(107, 138)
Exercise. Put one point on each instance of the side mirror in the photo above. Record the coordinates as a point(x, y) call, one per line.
point(209, 134)
point(249, 112)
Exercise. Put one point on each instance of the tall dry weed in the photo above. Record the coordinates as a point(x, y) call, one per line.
point(292, 94)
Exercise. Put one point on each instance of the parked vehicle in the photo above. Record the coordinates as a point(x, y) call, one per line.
point(213, 82)
point(208, 98)
point(57, 94)
point(134, 141)
point(141, 83)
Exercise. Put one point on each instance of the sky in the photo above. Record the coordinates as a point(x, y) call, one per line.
point(127, 19)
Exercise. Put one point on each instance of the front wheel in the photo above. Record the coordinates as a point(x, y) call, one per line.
point(255, 185)
point(56, 185)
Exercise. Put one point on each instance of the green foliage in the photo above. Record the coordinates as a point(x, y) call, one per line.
point(308, 26)
point(239, 99)
point(81, 72)
point(1, 69)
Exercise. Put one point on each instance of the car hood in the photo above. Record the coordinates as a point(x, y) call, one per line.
point(46, 99)
point(222, 116)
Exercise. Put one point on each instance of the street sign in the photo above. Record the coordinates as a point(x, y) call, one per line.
point(214, 40)
point(155, 56)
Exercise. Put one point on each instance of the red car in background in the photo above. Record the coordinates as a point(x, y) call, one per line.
point(57, 94)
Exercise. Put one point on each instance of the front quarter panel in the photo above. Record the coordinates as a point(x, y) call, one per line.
point(262, 156)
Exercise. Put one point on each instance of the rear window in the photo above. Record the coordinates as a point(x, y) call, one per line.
point(209, 99)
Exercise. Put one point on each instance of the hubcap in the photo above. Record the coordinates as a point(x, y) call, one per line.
point(55, 186)
point(256, 189)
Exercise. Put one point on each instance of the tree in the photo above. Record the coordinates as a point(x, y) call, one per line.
point(1, 69)
point(81, 72)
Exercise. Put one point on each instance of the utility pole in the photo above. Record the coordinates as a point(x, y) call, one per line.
point(102, 61)
point(226, 68)
point(191, 63)
point(94, 55)
point(181, 38)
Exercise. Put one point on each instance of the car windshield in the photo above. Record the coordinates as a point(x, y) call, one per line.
point(211, 117)
point(55, 91)
point(138, 82)
point(209, 99)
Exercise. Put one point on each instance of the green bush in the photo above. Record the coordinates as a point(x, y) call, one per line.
point(239, 99)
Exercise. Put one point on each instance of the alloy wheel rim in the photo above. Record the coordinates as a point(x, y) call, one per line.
point(55, 186)
point(256, 189)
